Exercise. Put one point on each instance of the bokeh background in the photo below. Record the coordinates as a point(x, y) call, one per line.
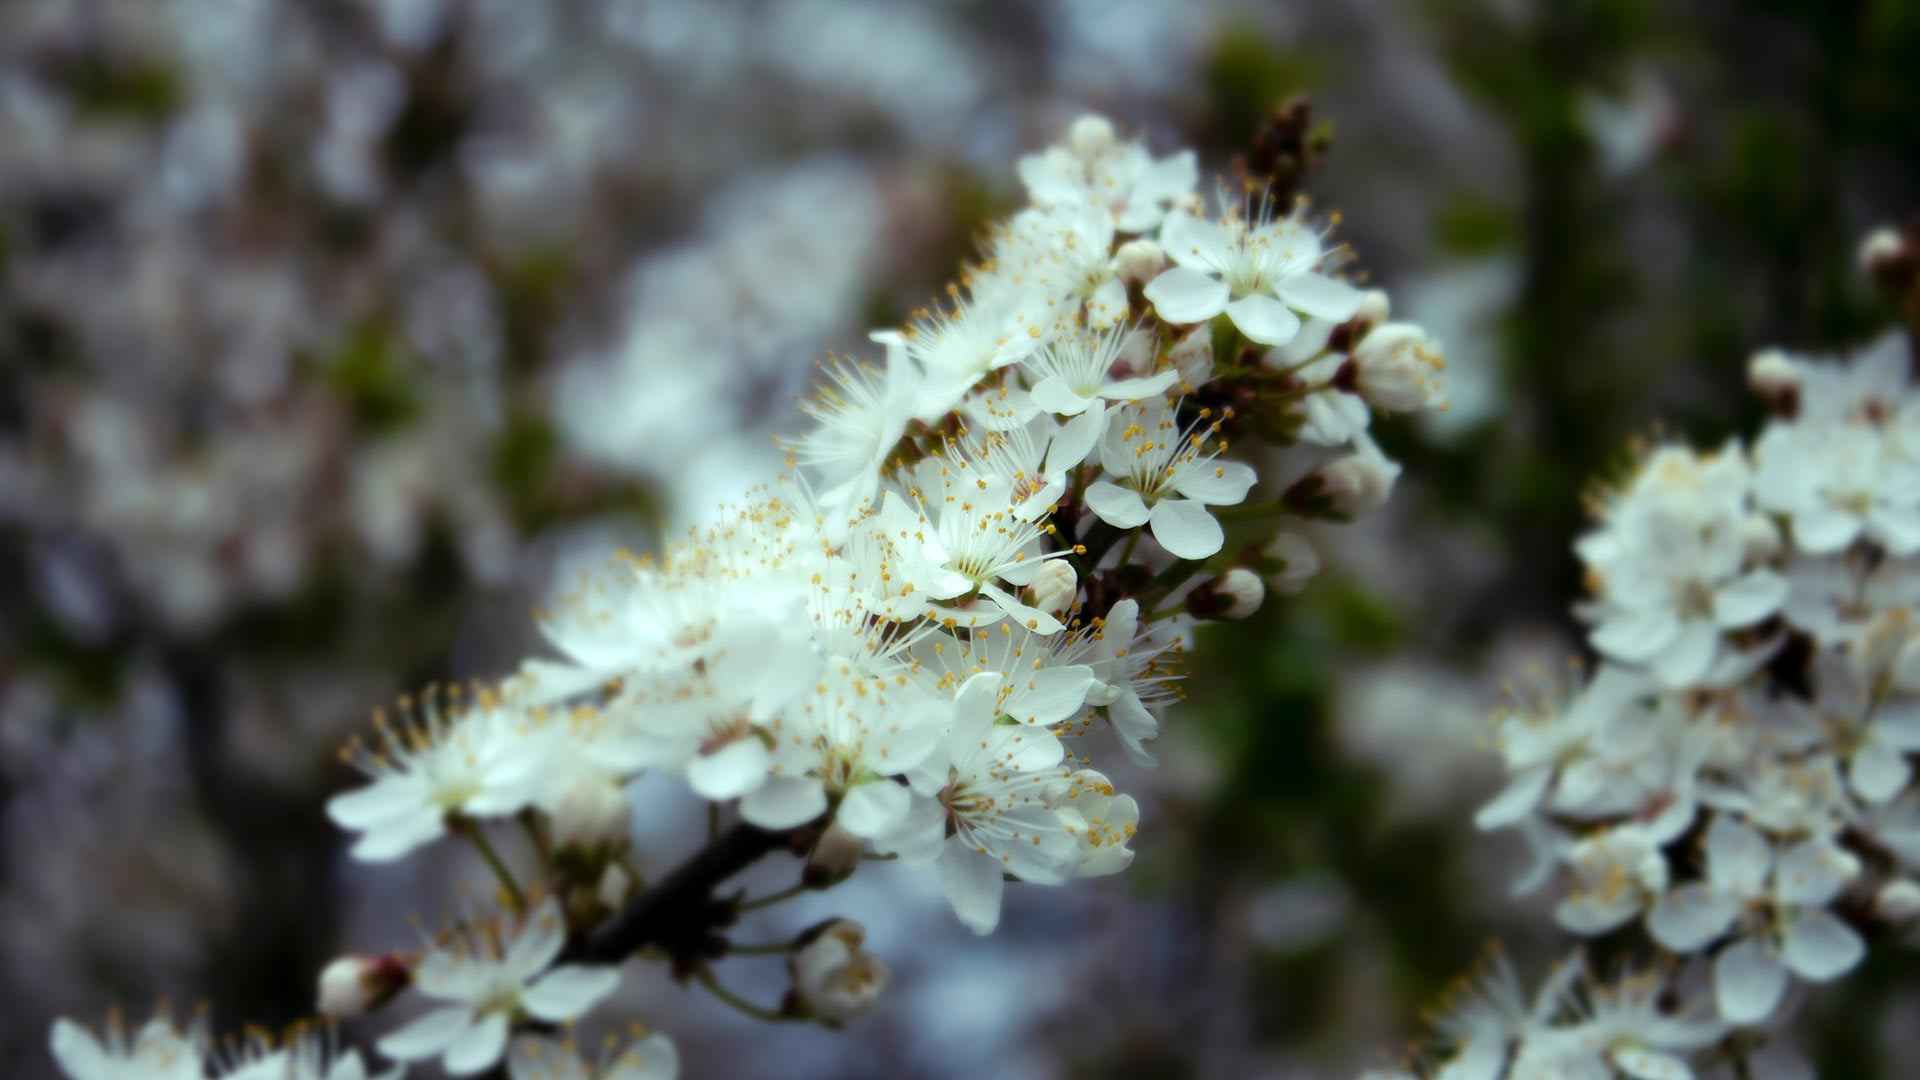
point(332, 330)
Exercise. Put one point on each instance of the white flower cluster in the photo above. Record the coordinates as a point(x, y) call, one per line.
point(915, 648)
point(1736, 775)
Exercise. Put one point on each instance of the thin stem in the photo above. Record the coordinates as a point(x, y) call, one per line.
point(516, 899)
point(758, 1012)
point(1127, 552)
point(538, 834)
point(774, 898)
point(713, 820)
point(772, 948)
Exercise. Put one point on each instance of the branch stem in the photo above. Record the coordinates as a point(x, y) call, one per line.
point(771, 899)
point(758, 1012)
point(516, 899)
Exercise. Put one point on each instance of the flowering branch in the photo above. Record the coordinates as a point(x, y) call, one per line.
point(1729, 797)
point(979, 578)
point(681, 915)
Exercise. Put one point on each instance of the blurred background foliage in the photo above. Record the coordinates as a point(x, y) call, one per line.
point(332, 332)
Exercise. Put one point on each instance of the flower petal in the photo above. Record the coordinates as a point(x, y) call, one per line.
point(731, 771)
point(1747, 982)
point(1185, 529)
point(1813, 872)
point(569, 992)
point(1076, 439)
point(972, 882)
point(1184, 295)
point(1123, 508)
point(1050, 695)
point(1264, 319)
point(1055, 396)
point(1516, 800)
point(873, 808)
point(1738, 858)
point(478, 1047)
point(1195, 242)
point(1687, 918)
point(1321, 296)
point(1819, 947)
point(427, 1035)
point(1878, 770)
point(1635, 636)
point(784, 802)
point(1216, 482)
point(77, 1052)
point(1686, 659)
point(1749, 598)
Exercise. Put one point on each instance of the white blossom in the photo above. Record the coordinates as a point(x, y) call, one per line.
point(651, 1057)
point(1095, 167)
point(1165, 476)
point(157, 1051)
point(442, 758)
point(834, 977)
point(1263, 271)
point(489, 984)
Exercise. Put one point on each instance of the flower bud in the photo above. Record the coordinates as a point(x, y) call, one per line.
point(1899, 901)
point(1139, 260)
point(1399, 369)
point(1192, 356)
point(1775, 380)
point(1243, 590)
point(1374, 307)
point(591, 816)
point(351, 985)
point(1054, 586)
point(1298, 562)
point(834, 856)
point(1090, 136)
point(834, 979)
point(1347, 487)
point(614, 885)
point(1881, 247)
point(1235, 594)
point(1760, 538)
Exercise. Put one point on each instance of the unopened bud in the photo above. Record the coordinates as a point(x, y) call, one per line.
point(352, 985)
point(834, 856)
point(614, 885)
point(1235, 594)
point(1090, 136)
point(1192, 356)
point(1760, 538)
point(1374, 307)
point(1775, 380)
point(1139, 260)
point(1399, 369)
point(1899, 901)
point(1054, 586)
point(1882, 247)
point(1347, 487)
point(1297, 560)
point(592, 816)
point(834, 978)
